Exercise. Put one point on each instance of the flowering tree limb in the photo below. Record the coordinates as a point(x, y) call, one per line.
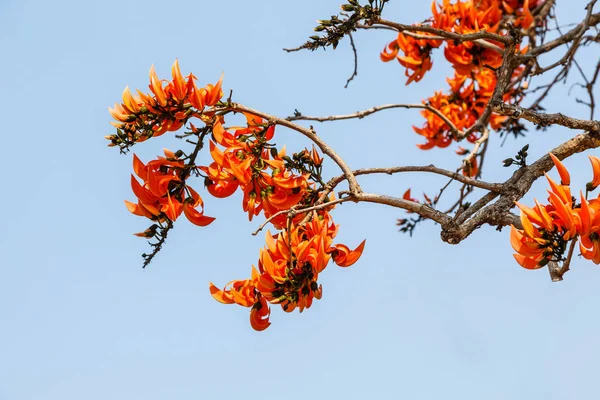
point(493, 46)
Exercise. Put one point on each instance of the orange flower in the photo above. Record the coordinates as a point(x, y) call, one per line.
point(589, 229)
point(189, 209)
point(529, 254)
point(259, 315)
point(525, 18)
point(244, 157)
point(565, 178)
point(596, 170)
point(470, 167)
point(245, 162)
point(416, 55)
point(288, 270)
point(208, 96)
point(474, 80)
point(157, 89)
point(547, 229)
point(162, 194)
point(344, 257)
point(167, 108)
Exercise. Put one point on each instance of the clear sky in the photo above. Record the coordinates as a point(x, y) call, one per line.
point(414, 318)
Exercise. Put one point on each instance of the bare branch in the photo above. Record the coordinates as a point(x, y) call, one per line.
point(594, 19)
point(574, 43)
point(355, 72)
point(372, 110)
point(483, 139)
point(295, 211)
point(418, 208)
point(542, 119)
point(493, 187)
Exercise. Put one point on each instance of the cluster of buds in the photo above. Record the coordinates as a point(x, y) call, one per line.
point(336, 27)
point(547, 229)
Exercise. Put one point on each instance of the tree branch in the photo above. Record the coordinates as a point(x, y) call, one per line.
point(372, 110)
point(493, 187)
point(542, 119)
point(295, 211)
point(468, 37)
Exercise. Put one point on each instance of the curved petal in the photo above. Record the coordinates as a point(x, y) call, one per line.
point(565, 178)
point(220, 295)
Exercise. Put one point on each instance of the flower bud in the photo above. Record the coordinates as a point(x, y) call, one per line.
point(590, 187)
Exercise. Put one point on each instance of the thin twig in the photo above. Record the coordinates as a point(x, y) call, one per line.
point(297, 211)
point(355, 72)
point(492, 187)
point(372, 110)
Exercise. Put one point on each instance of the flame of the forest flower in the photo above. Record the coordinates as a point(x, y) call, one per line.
point(548, 228)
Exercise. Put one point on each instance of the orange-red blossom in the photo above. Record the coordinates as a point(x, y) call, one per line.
point(288, 270)
point(416, 58)
point(463, 105)
point(461, 17)
point(243, 157)
point(289, 266)
point(163, 194)
point(248, 163)
point(166, 108)
point(547, 229)
point(474, 78)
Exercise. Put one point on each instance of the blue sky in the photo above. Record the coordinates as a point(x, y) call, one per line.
point(414, 318)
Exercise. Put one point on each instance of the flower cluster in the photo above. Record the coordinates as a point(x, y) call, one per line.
point(462, 17)
point(163, 196)
point(273, 182)
point(463, 105)
point(167, 108)
point(416, 58)
point(288, 270)
point(251, 163)
point(465, 17)
point(474, 63)
point(242, 157)
point(547, 229)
